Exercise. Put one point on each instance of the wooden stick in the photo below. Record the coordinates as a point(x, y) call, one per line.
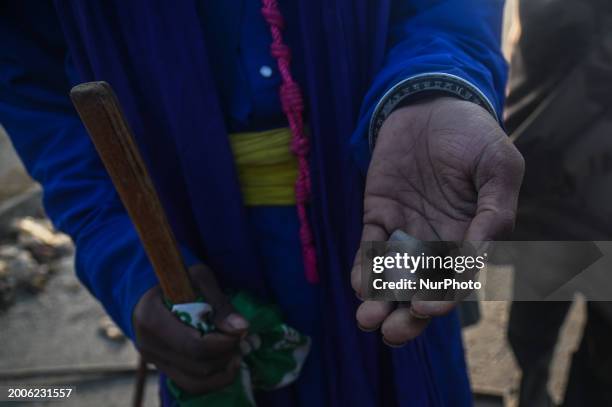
point(141, 382)
point(101, 114)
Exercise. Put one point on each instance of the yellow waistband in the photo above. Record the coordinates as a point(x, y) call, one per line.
point(267, 169)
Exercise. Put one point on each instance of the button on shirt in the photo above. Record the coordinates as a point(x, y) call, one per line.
point(239, 53)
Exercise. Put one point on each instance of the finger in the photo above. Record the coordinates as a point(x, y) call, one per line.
point(498, 178)
point(188, 350)
point(201, 384)
point(163, 329)
point(370, 233)
point(192, 384)
point(371, 314)
point(225, 317)
point(204, 348)
point(425, 309)
point(402, 326)
point(210, 347)
point(224, 378)
point(192, 366)
point(156, 324)
point(230, 322)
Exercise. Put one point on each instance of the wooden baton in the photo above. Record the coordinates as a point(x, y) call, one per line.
point(103, 117)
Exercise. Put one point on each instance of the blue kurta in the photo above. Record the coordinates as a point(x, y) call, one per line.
point(182, 94)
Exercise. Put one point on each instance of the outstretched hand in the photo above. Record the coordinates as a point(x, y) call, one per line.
point(442, 169)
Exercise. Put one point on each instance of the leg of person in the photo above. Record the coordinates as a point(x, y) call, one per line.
point(444, 342)
point(532, 332)
point(590, 379)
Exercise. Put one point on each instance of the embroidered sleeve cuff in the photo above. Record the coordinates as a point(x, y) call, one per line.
point(420, 86)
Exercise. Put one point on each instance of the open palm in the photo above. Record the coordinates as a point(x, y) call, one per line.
point(442, 169)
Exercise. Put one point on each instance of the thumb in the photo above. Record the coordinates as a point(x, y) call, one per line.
point(370, 233)
point(228, 321)
point(498, 176)
point(225, 318)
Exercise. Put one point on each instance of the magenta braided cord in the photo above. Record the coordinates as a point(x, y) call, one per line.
point(293, 107)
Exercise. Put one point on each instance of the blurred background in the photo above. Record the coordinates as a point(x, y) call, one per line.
point(52, 331)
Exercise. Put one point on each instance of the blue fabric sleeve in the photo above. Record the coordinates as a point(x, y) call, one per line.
point(458, 38)
point(78, 195)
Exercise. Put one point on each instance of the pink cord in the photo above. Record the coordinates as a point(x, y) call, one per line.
point(293, 107)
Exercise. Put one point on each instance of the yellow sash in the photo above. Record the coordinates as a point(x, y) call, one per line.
point(267, 169)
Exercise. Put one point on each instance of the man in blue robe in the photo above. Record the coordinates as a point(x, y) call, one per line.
point(402, 99)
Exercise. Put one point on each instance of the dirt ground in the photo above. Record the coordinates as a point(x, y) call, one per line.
point(13, 178)
point(57, 330)
point(491, 363)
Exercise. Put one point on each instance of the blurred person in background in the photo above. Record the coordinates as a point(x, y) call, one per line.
point(559, 113)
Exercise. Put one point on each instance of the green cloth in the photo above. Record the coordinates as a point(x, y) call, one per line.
point(273, 355)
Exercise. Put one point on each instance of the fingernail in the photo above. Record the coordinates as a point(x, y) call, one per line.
point(392, 345)
point(364, 329)
point(237, 322)
point(433, 307)
point(417, 315)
